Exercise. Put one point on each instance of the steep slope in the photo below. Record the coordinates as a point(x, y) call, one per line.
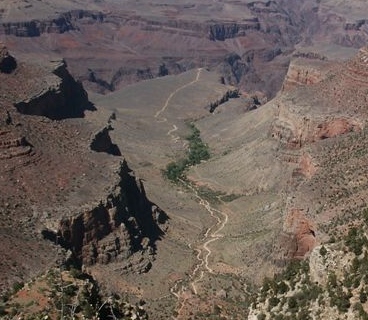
point(51, 187)
point(331, 283)
point(291, 157)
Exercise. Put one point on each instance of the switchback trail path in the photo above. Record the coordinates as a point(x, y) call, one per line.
point(201, 247)
point(212, 234)
point(172, 94)
point(203, 251)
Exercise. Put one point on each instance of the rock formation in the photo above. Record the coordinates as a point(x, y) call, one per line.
point(330, 105)
point(60, 96)
point(234, 93)
point(59, 23)
point(101, 142)
point(304, 72)
point(123, 223)
point(221, 32)
point(7, 62)
point(12, 146)
point(302, 234)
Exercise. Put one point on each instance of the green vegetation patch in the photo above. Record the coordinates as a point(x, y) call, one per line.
point(197, 151)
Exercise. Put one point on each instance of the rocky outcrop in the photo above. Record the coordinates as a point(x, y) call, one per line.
point(357, 68)
point(101, 142)
point(111, 231)
point(306, 167)
point(59, 24)
point(223, 31)
point(7, 62)
point(230, 94)
point(12, 146)
point(299, 236)
point(331, 102)
point(304, 71)
point(294, 129)
point(59, 96)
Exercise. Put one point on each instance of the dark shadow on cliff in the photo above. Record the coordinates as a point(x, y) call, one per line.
point(102, 142)
point(66, 98)
point(148, 216)
point(126, 215)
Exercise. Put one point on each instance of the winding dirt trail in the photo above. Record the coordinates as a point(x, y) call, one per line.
point(212, 233)
point(170, 133)
point(172, 94)
point(203, 252)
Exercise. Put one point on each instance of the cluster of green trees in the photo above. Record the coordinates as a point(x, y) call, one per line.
point(197, 151)
point(356, 241)
point(302, 292)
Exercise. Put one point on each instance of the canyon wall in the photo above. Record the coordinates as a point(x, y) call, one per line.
point(120, 224)
point(59, 97)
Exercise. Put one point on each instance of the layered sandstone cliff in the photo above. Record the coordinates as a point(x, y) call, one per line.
point(326, 105)
point(117, 226)
point(305, 71)
point(59, 23)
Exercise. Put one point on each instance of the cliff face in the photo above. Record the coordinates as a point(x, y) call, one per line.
point(305, 71)
point(262, 33)
point(223, 31)
point(299, 234)
point(102, 142)
point(123, 223)
point(60, 24)
point(59, 96)
point(329, 105)
point(296, 129)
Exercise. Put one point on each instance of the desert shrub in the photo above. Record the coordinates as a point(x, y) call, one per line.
point(363, 296)
point(341, 300)
point(2, 310)
point(75, 272)
point(17, 286)
point(323, 251)
point(359, 308)
point(365, 215)
point(273, 301)
point(175, 170)
point(293, 268)
point(261, 316)
point(282, 287)
point(292, 304)
point(230, 197)
point(331, 281)
point(198, 150)
point(266, 285)
point(303, 315)
point(355, 242)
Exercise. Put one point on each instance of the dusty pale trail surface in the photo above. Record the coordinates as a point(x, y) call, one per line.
point(203, 251)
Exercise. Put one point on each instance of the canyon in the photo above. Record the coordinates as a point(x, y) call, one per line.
point(98, 97)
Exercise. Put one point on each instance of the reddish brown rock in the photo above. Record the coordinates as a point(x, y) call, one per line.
point(301, 234)
point(305, 72)
point(306, 167)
